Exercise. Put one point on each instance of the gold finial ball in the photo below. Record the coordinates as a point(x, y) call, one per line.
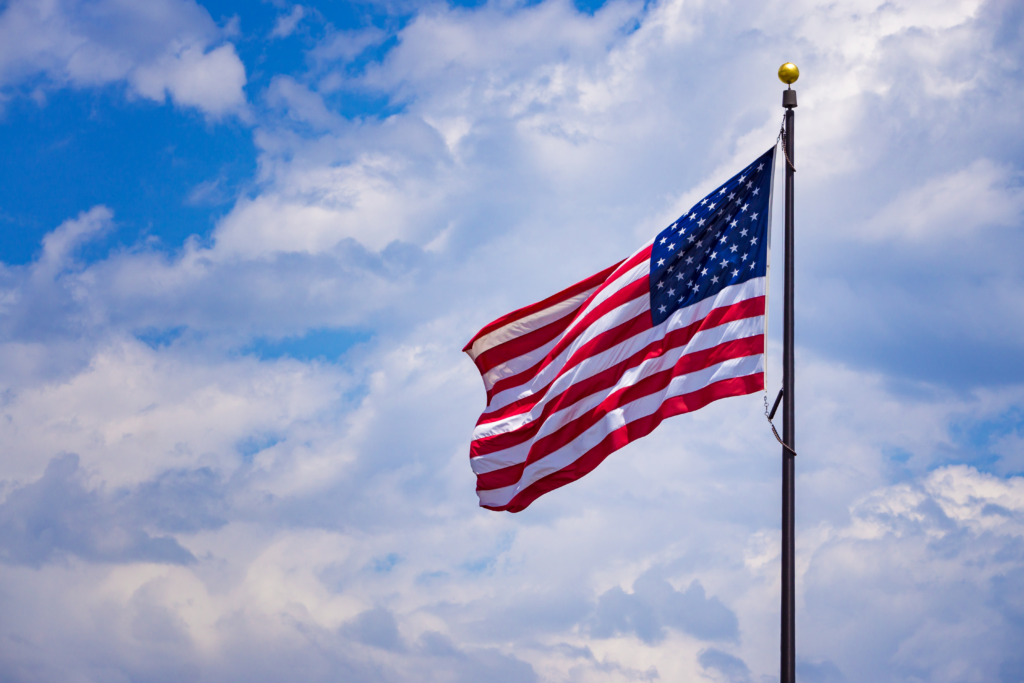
point(788, 73)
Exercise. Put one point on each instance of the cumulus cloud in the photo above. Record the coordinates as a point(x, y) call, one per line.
point(159, 48)
point(955, 532)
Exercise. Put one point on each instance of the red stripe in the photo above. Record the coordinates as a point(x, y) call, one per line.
point(737, 386)
point(696, 361)
point(614, 336)
point(748, 308)
point(738, 348)
point(567, 293)
point(629, 292)
point(523, 344)
point(652, 384)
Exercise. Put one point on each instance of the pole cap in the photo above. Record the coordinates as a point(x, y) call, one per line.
point(788, 73)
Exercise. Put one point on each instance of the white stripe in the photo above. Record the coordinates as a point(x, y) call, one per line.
point(702, 341)
point(618, 418)
point(529, 323)
point(640, 270)
point(627, 311)
point(519, 453)
point(514, 366)
point(591, 366)
point(596, 327)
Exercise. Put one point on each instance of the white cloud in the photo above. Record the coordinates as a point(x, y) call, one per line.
point(952, 533)
point(211, 81)
point(161, 411)
point(59, 246)
point(159, 47)
point(345, 46)
point(286, 23)
point(953, 206)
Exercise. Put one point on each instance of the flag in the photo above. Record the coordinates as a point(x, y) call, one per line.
point(675, 326)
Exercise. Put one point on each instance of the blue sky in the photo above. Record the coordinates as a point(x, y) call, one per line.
point(243, 244)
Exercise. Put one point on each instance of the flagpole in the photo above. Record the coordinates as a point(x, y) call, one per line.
point(788, 73)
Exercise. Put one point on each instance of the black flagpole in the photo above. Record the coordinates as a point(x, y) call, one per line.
point(788, 73)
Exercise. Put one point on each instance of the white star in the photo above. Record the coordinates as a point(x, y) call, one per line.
point(714, 280)
point(704, 272)
point(671, 268)
point(743, 232)
point(743, 258)
point(725, 238)
point(690, 283)
point(733, 224)
point(689, 260)
point(724, 263)
point(695, 288)
point(700, 223)
point(756, 191)
point(679, 275)
point(753, 240)
point(744, 207)
point(661, 262)
point(663, 240)
point(712, 205)
point(733, 248)
point(672, 246)
point(671, 292)
point(691, 238)
point(753, 263)
point(660, 285)
point(749, 184)
point(714, 256)
point(753, 216)
point(682, 229)
point(662, 309)
point(732, 195)
point(692, 216)
point(722, 191)
point(681, 298)
point(760, 167)
point(735, 273)
point(742, 178)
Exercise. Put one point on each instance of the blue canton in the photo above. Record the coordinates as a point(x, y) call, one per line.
point(721, 241)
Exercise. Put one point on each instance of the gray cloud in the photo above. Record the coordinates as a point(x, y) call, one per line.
point(654, 605)
point(731, 668)
point(376, 627)
point(57, 516)
point(819, 672)
point(177, 501)
point(480, 664)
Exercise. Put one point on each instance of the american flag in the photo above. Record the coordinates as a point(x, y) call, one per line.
point(675, 326)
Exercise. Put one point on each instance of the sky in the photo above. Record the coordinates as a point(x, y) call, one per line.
point(244, 244)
